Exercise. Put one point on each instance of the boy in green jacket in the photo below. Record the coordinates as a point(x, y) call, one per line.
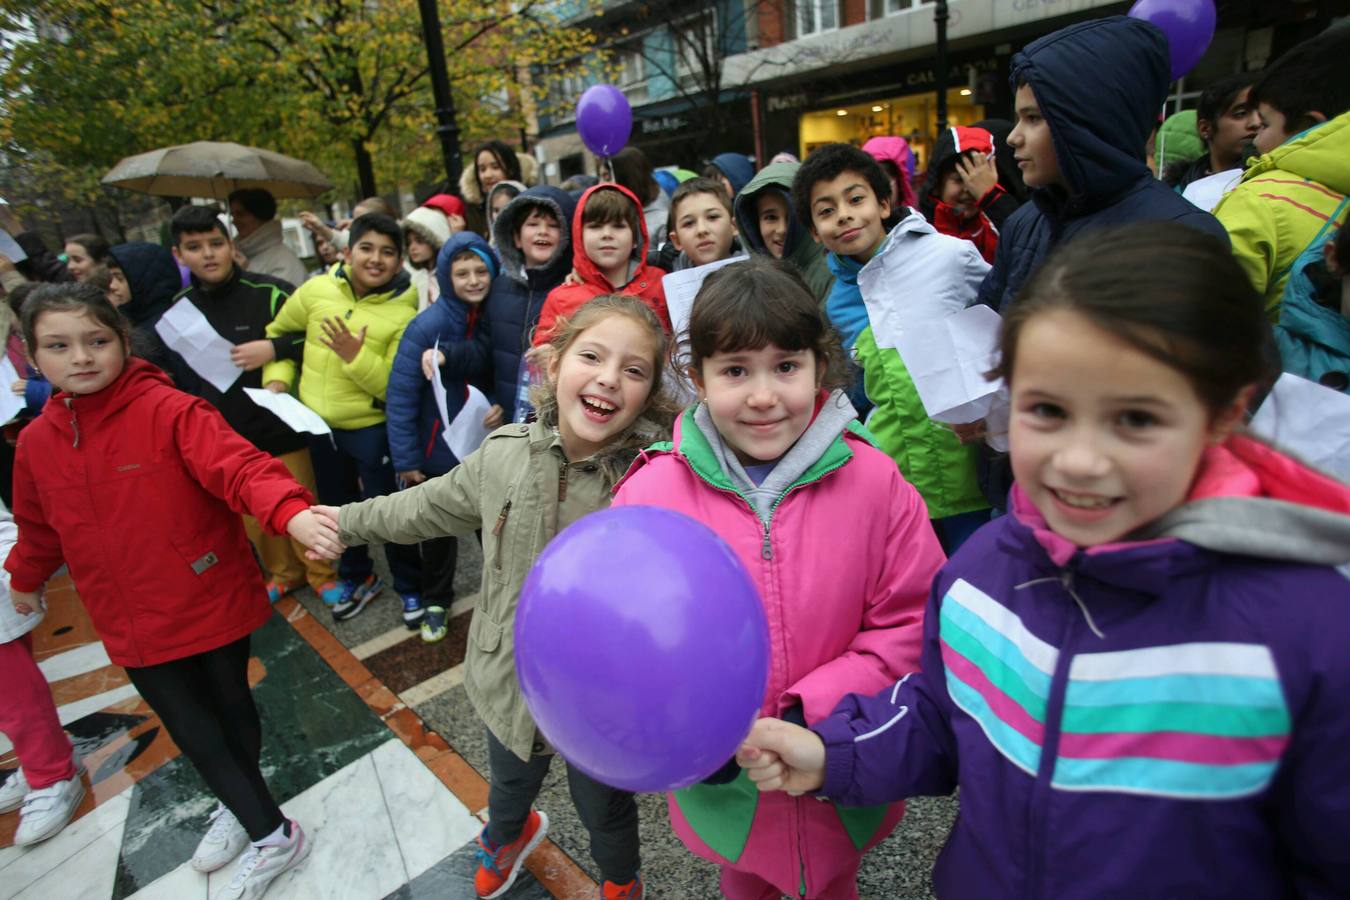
point(353, 317)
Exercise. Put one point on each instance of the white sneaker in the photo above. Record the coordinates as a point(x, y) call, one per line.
point(261, 865)
point(223, 841)
point(13, 791)
point(47, 811)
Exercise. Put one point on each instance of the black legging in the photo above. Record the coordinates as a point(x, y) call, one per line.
point(205, 704)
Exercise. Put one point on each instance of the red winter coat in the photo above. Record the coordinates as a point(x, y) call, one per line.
point(565, 299)
point(138, 488)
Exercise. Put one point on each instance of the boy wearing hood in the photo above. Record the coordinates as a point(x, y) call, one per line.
point(962, 185)
point(609, 255)
point(769, 227)
point(535, 249)
point(1295, 192)
point(1087, 98)
point(734, 170)
point(446, 341)
point(144, 280)
point(352, 318)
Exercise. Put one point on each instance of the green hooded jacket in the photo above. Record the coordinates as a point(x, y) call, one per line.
point(800, 249)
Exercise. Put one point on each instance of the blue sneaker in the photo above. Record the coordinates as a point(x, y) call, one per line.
point(412, 611)
point(355, 596)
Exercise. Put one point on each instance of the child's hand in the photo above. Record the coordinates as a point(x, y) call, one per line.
point(412, 476)
point(970, 433)
point(317, 531)
point(432, 359)
point(780, 756)
point(252, 355)
point(979, 176)
point(26, 602)
point(495, 417)
point(6, 264)
point(276, 387)
point(573, 278)
point(316, 226)
point(340, 339)
point(19, 386)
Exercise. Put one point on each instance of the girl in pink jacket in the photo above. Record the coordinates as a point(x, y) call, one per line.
point(773, 459)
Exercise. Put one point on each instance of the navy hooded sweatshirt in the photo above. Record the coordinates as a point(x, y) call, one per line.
point(413, 422)
point(153, 280)
point(1099, 85)
point(517, 296)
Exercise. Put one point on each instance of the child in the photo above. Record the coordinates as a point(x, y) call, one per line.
point(535, 248)
point(701, 227)
point(733, 170)
point(48, 786)
point(1225, 122)
point(417, 447)
point(239, 306)
point(769, 227)
point(502, 193)
point(1299, 183)
point(1138, 679)
point(424, 231)
point(521, 487)
point(1314, 332)
point(962, 183)
point(882, 282)
point(352, 318)
point(144, 281)
point(609, 254)
point(1082, 158)
point(119, 459)
point(897, 161)
point(773, 460)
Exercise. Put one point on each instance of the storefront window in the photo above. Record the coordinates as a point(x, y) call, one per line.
point(912, 117)
point(815, 16)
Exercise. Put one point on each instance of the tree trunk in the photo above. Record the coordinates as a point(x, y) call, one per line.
point(365, 169)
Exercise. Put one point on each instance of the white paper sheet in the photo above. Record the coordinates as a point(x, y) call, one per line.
point(1310, 420)
point(11, 404)
point(947, 359)
point(682, 287)
point(1208, 191)
point(466, 432)
point(10, 247)
point(289, 410)
point(187, 333)
point(438, 391)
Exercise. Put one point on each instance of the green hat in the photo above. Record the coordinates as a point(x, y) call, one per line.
point(1178, 140)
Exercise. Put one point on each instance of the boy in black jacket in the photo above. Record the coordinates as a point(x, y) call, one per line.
point(239, 305)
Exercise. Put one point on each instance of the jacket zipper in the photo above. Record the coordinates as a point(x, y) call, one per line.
point(497, 533)
point(74, 421)
point(562, 481)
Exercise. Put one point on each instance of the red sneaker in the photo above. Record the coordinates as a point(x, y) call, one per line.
point(499, 866)
point(630, 891)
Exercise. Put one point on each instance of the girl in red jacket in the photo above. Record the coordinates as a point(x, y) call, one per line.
point(138, 488)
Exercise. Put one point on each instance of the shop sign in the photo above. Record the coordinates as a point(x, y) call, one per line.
point(787, 101)
point(927, 77)
point(663, 124)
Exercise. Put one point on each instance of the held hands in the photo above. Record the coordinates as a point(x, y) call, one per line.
point(318, 533)
point(780, 756)
point(495, 417)
point(979, 176)
point(252, 355)
point(26, 602)
point(432, 359)
point(339, 339)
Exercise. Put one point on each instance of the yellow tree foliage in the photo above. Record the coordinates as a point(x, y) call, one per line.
point(341, 83)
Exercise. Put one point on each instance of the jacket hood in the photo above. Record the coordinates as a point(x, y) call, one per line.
point(1317, 154)
point(1099, 85)
point(1248, 499)
point(737, 167)
point(584, 266)
point(949, 143)
point(468, 179)
point(546, 196)
point(429, 224)
point(464, 240)
point(496, 188)
point(896, 150)
point(778, 177)
point(152, 276)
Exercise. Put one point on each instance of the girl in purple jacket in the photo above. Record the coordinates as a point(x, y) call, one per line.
point(1139, 678)
point(772, 458)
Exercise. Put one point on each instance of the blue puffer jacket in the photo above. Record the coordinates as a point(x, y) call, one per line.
point(1099, 85)
point(1313, 336)
point(413, 422)
point(513, 306)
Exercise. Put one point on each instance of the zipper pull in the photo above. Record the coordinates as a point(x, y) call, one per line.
point(501, 519)
point(74, 421)
point(766, 551)
point(562, 482)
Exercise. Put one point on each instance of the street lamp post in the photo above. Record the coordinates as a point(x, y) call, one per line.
point(940, 64)
point(446, 128)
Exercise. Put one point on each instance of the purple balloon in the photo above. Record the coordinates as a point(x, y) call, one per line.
point(1188, 24)
point(642, 648)
point(604, 119)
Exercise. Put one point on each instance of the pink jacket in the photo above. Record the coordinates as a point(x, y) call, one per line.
point(844, 568)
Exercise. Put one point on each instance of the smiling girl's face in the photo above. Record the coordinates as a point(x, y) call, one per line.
point(1104, 438)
